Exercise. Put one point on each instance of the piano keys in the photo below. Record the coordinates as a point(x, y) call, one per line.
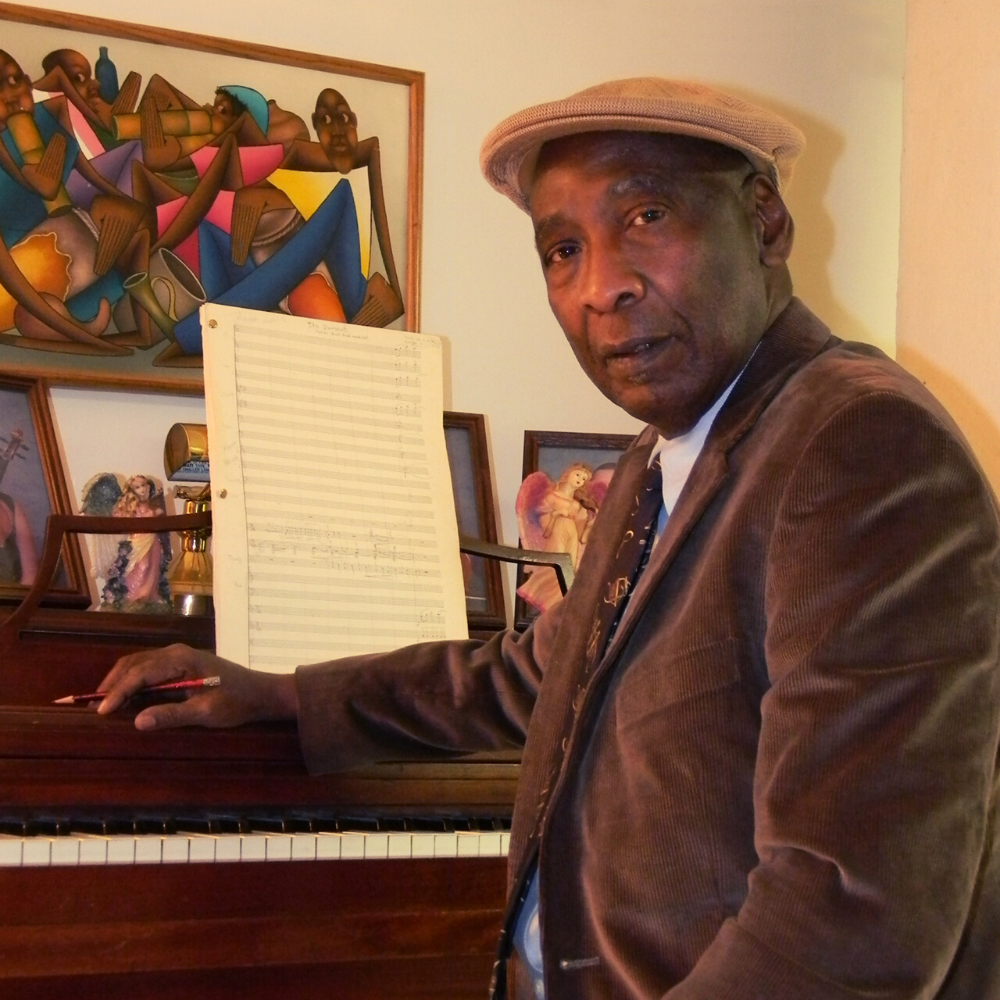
point(120, 875)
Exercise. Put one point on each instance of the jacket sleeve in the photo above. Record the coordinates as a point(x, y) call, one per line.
point(422, 701)
point(875, 774)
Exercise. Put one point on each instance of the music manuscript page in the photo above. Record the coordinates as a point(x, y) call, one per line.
point(334, 528)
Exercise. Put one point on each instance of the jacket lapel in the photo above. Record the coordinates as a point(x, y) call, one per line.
point(793, 339)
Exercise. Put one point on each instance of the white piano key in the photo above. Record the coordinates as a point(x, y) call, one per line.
point(489, 845)
point(504, 844)
point(352, 845)
point(376, 845)
point(445, 845)
point(121, 850)
point(423, 845)
point(37, 851)
point(304, 847)
point(149, 849)
point(328, 846)
point(253, 847)
point(201, 849)
point(93, 850)
point(228, 847)
point(176, 850)
point(278, 847)
point(10, 850)
point(468, 844)
point(400, 845)
point(66, 851)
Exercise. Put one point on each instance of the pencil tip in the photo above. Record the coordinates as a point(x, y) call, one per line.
point(68, 700)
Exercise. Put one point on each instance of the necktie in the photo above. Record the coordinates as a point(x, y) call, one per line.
point(629, 562)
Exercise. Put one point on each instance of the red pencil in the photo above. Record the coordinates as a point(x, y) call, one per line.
point(81, 699)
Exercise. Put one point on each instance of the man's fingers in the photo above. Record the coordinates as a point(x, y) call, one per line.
point(181, 713)
point(141, 670)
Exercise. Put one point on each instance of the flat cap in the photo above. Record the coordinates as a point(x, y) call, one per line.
point(643, 104)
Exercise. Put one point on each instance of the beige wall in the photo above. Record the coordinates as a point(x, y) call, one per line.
point(835, 67)
point(949, 285)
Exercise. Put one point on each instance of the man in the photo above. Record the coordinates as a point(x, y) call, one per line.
point(765, 766)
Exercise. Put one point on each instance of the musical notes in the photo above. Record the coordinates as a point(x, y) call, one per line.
point(337, 532)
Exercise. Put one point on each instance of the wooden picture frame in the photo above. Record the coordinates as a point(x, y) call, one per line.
point(472, 484)
point(225, 171)
point(32, 486)
point(548, 457)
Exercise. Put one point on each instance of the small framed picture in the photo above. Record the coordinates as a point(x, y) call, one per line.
point(32, 486)
point(565, 477)
point(465, 437)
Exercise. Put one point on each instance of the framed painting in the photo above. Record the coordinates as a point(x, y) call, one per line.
point(32, 486)
point(144, 172)
point(472, 484)
point(565, 477)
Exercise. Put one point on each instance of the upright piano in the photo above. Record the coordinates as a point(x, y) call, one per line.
point(207, 863)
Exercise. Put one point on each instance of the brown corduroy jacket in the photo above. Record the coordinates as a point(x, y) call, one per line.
point(780, 781)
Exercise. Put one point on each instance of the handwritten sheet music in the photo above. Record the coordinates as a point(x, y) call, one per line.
point(334, 529)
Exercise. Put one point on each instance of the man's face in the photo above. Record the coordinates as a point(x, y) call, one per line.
point(15, 89)
point(649, 247)
point(337, 129)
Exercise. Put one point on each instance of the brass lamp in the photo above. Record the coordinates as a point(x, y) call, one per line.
point(185, 457)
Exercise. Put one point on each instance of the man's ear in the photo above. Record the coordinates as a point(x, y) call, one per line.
point(773, 222)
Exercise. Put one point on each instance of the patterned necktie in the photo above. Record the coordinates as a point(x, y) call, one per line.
point(629, 562)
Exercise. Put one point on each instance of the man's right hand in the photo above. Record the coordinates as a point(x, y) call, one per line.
point(242, 696)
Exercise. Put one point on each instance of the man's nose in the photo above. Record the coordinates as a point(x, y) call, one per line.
point(611, 280)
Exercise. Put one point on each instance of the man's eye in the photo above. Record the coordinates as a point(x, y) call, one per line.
point(652, 214)
point(561, 252)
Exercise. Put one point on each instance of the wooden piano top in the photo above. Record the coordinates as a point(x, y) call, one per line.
point(61, 758)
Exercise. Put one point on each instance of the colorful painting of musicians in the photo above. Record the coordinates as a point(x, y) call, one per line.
point(128, 199)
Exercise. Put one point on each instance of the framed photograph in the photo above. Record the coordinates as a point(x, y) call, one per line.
point(468, 457)
point(565, 477)
point(32, 486)
point(144, 172)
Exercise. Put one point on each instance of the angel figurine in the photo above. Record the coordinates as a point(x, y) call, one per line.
point(554, 517)
point(133, 566)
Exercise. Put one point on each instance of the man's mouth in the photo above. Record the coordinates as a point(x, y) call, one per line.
point(634, 356)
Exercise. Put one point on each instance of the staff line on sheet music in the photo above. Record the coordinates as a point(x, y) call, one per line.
point(404, 585)
point(349, 475)
point(286, 502)
point(334, 362)
point(346, 419)
point(415, 574)
point(304, 612)
point(364, 524)
point(324, 338)
point(322, 380)
point(339, 448)
point(350, 342)
point(313, 554)
point(416, 456)
point(330, 550)
point(401, 411)
point(338, 352)
point(361, 523)
point(296, 533)
point(346, 618)
point(347, 469)
point(413, 496)
point(425, 633)
point(344, 429)
point(403, 398)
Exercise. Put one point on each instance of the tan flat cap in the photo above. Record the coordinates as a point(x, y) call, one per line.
point(644, 104)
